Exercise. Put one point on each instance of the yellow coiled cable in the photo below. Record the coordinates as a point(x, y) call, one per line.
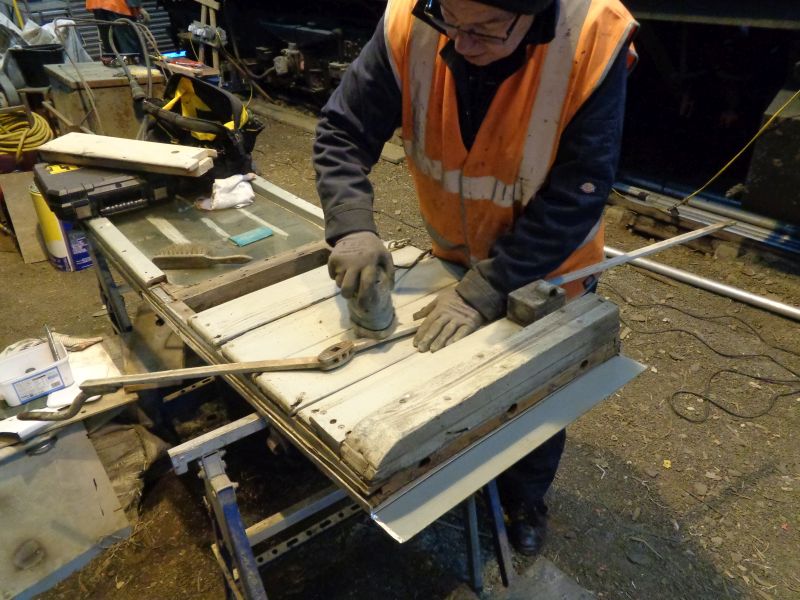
point(18, 136)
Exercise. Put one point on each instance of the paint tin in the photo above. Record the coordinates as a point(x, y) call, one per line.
point(67, 246)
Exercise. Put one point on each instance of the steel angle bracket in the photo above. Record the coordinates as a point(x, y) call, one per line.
point(419, 504)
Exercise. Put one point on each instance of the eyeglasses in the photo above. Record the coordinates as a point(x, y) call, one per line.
point(432, 12)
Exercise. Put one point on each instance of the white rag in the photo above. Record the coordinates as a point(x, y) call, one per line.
point(232, 192)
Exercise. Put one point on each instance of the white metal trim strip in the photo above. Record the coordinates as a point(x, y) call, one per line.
point(412, 509)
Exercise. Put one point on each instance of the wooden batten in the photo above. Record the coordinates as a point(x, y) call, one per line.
point(229, 288)
point(426, 414)
point(467, 436)
point(131, 155)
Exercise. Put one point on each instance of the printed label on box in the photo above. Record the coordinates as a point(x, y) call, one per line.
point(39, 385)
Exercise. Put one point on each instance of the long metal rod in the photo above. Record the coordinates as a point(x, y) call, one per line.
point(779, 308)
point(336, 355)
point(626, 257)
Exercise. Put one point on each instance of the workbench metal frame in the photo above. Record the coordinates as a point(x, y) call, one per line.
point(233, 548)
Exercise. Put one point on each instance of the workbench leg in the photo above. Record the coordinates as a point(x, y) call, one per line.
point(499, 534)
point(112, 298)
point(474, 564)
point(232, 540)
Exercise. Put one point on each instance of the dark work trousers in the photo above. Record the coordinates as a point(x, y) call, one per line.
point(125, 38)
point(523, 486)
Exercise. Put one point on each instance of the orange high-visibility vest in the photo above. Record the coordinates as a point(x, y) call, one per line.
point(117, 6)
point(468, 199)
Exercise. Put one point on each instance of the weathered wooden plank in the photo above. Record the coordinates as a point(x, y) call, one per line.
point(229, 320)
point(122, 249)
point(222, 323)
point(420, 417)
point(253, 276)
point(324, 318)
point(297, 391)
point(307, 331)
point(135, 155)
point(470, 435)
point(337, 415)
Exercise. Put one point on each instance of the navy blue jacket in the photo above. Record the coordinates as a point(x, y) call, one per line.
point(365, 109)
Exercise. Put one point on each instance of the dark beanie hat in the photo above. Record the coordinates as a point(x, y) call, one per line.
point(524, 7)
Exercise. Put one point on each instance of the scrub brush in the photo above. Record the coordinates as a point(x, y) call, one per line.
point(194, 256)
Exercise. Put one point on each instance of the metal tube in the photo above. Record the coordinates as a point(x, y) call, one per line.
point(717, 205)
point(779, 308)
point(717, 208)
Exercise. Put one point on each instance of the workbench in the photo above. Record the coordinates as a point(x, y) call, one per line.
point(283, 304)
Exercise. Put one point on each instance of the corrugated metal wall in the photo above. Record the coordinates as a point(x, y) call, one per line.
point(47, 11)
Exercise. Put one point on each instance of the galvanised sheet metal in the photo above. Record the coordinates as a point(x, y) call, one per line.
point(418, 505)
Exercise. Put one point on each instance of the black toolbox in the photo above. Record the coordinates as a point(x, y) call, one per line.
point(75, 193)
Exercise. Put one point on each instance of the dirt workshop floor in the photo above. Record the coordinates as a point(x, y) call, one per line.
point(647, 504)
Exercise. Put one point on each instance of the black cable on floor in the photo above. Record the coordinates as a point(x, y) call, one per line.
point(705, 395)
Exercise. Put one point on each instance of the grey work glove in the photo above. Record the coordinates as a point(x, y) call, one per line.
point(354, 264)
point(448, 319)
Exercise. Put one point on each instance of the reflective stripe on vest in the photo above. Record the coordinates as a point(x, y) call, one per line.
point(543, 125)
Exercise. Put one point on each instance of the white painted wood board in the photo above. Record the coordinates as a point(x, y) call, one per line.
point(306, 332)
point(227, 321)
point(133, 155)
point(298, 390)
point(140, 267)
point(338, 414)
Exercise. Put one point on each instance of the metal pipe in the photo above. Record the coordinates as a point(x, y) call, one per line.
point(785, 238)
point(673, 190)
point(717, 208)
point(779, 308)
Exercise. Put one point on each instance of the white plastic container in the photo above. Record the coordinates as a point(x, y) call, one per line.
point(33, 373)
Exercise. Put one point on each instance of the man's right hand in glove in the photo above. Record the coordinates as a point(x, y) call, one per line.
point(354, 263)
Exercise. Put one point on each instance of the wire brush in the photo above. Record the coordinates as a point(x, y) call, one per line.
point(18, 136)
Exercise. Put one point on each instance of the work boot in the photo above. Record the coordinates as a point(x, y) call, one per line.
point(527, 530)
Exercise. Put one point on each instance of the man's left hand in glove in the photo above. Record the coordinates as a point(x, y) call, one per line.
point(449, 318)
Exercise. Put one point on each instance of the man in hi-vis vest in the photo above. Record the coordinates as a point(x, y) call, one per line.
point(511, 114)
point(125, 38)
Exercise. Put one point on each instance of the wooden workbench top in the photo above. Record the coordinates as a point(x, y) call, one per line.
point(391, 408)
